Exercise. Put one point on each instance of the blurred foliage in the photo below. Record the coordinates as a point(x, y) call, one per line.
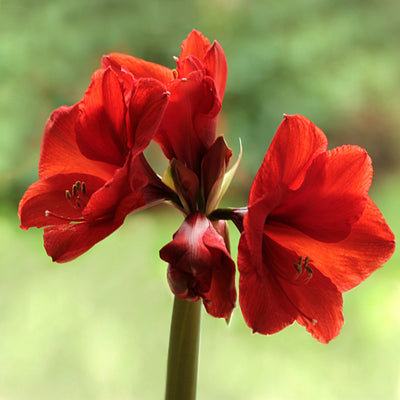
point(336, 62)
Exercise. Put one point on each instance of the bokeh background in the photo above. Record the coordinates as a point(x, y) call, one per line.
point(97, 328)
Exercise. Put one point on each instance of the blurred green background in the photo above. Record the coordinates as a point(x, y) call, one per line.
point(97, 328)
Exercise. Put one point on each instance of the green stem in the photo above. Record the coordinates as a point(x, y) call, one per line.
point(183, 351)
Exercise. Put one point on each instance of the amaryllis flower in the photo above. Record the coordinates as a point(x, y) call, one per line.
point(199, 262)
point(200, 265)
point(91, 166)
point(311, 232)
point(196, 87)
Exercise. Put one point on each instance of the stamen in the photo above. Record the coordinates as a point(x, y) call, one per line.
point(298, 265)
point(310, 271)
point(78, 195)
point(301, 267)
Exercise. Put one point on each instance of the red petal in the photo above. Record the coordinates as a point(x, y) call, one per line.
point(217, 67)
point(332, 197)
point(296, 143)
point(186, 184)
point(49, 195)
point(348, 262)
point(255, 219)
point(213, 168)
point(273, 298)
point(60, 153)
point(200, 265)
point(101, 130)
point(197, 54)
point(320, 306)
point(188, 127)
point(264, 305)
point(155, 190)
point(146, 110)
point(138, 67)
point(188, 65)
point(221, 298)
point(66, 242)
point(116, 198)
point(196, 44)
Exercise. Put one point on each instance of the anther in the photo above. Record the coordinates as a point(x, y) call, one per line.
point(310, 271)
point(298, 265)
point(77, 195)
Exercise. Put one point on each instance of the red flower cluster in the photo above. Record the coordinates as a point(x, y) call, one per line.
point(310, 230)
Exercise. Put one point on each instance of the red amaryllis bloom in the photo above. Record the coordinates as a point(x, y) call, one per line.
point(200, 265)
point(311, 232)
point(91, 170)
point(196, 88)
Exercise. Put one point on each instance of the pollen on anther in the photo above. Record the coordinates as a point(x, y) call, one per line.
point(47, 213)
point(68, 195)
point(83, 186)
point(298, 265)
point(309, 270)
